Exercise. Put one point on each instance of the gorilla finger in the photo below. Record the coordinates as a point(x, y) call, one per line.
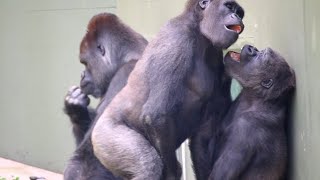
point(76, 93)
point(67, 99)
point(73, 101)
point(72, 88)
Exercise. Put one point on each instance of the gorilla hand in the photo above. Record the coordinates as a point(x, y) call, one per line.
point(76, 99)
point(76, 107)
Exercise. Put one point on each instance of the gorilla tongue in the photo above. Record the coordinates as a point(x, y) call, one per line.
point(236, 28)
point(235, 56)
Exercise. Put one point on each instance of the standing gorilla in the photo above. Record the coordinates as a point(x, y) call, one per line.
point(109, 51)
point(167, 92)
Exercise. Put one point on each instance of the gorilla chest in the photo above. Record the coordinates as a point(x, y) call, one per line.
point(200, 83)
point(200, 89)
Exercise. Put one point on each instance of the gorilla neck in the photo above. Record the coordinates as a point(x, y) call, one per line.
point(118, 50)
point(192, 19)
point(270, 110)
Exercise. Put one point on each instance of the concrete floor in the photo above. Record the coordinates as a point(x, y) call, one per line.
point(11, 170)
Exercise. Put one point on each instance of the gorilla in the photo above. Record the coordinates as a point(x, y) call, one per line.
point(251, 143)
point(166, 93)
point(109, 51)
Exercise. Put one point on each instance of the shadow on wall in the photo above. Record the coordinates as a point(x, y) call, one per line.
point(289, 131)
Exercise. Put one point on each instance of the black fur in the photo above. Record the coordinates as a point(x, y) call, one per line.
point(251, 142)
point(201, 144)
point(167, 93)
point(109, 52)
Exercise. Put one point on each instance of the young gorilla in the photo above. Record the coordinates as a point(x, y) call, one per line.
point(162, 103)
point(109, 51)
point(252, 142)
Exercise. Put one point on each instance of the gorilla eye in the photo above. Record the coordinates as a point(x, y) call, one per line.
point(229, 5)
point(267, 83)
point(101, 49)
point(83, 61)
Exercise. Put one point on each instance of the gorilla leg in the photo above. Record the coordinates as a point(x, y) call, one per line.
point(163, 137)
point(138, 160)
point(200, 156)
point(85, 166)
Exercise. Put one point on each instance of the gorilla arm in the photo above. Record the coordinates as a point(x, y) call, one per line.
point(118, 82)
point(236, 154)
point(231, 163)
point(76, 102)
point(76, 107)
point(202, 142)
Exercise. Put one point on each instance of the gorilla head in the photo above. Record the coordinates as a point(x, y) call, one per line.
point(107, 45)
point(220, 20)
point(264, 73)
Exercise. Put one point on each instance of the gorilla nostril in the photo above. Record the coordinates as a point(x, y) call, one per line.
point(252, 50)
point(235, 16)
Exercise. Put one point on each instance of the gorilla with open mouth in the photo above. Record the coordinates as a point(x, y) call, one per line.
point(251, 141)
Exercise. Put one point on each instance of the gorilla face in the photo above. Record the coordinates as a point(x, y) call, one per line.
point(94, 79)
point(107, 45)
point(222, 21)
point(265, 72)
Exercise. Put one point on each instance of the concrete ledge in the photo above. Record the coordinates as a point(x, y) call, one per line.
point(12, 170)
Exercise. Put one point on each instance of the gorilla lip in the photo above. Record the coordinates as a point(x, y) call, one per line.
point(236, 28)
point(235, 56)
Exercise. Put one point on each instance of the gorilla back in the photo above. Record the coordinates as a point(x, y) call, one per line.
point(168, 89)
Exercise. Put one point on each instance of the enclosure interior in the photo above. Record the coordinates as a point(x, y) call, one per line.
point(39, 61)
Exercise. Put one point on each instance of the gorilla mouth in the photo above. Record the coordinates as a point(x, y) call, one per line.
point(236, 28)
point(235, 56)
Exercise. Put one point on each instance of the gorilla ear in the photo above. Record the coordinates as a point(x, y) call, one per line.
point(101, 49)
point(203, 4)
point(267, 83)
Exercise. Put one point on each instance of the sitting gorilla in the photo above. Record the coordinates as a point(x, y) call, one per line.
point(167, 92)
point(109, 51)
point(251, 143)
